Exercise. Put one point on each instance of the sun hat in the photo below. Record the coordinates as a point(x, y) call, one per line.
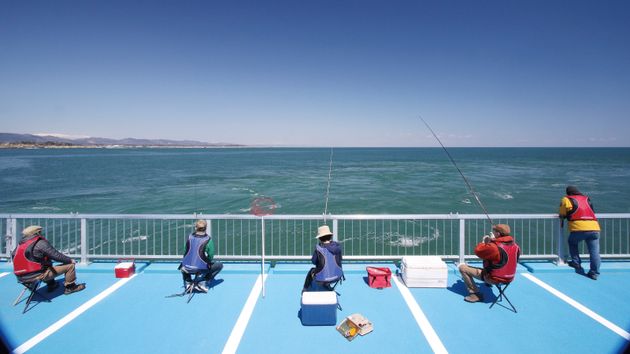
point(502, 229)
point(323, 231)
point(31, 230)
point(200, 227)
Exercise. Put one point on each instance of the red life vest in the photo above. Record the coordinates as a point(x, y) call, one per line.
point(581, 208)
point(505, 271)
point(22, 265)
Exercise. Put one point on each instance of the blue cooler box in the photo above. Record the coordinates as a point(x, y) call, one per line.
point(319, 308)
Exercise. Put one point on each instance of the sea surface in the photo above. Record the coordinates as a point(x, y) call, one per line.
point(363, 180)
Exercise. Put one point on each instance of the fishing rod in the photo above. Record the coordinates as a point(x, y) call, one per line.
point(328, 185)
point(470, 188)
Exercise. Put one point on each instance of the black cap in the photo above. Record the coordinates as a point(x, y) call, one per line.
point(572, 190)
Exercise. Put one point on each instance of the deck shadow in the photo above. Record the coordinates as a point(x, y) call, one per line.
point(214, 283)
point(41, 295)
point(210, 286)
point(460, 288)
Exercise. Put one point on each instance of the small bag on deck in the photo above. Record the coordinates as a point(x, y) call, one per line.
point(379, 277)
point(125, 268)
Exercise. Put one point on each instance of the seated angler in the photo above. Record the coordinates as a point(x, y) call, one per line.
point(33, 260)
point(327, 259)
point(198, 257)
point(500, 254)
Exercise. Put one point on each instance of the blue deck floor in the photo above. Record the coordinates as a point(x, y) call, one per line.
point(140, 317)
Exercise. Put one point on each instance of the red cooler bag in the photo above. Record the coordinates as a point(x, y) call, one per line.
point(125, 268)
point(379, 277)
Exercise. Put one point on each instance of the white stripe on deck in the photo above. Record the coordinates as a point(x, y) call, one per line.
point(3, 274)
point(421, 319)
point(71, 316)
point(243, 319)
point(579, 306)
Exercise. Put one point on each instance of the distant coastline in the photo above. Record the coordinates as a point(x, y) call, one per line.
point(59, 141)
point(56, 145)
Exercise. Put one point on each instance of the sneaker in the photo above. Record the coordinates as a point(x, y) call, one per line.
point(578, 268)
point(50, 287)
point(201, 287)
point(73, 288)
point(592, 275)
point(474, 297)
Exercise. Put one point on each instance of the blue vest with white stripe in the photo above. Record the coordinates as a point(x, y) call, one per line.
point(331, 271)
point(192, 261)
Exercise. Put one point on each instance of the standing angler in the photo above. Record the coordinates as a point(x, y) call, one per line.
point(583, 226)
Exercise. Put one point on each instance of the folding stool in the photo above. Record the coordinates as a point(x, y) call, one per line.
point(502, 287)
point(32, 287)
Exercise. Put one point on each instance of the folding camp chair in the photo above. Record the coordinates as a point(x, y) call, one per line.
point(32, 288)
point(194, 285)
point(502, 287)
point(327, 286)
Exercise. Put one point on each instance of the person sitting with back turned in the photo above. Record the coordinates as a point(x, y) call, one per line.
point(198, 257)
point(32, 261)
point(327, 258)
point(500, 254)
point(583, 226)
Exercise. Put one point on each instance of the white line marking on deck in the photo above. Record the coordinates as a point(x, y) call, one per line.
point(579, 306)
point(239, 328)
point(3, 274)
point(71, 316)
point(421, 319)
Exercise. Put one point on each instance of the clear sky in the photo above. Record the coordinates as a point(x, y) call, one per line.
point(320, 73)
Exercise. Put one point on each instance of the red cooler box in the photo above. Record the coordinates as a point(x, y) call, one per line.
point(125, 269)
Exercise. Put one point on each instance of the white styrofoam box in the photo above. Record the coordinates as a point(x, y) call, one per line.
point(424, 272)
point(423, 262)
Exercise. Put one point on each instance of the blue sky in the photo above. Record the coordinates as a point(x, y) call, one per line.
point(320, 73)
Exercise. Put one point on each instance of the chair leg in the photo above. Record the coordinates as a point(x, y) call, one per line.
point(28, 302)
point(20, 296)
point(33, 290)
point(501, 296)
point(191, 289)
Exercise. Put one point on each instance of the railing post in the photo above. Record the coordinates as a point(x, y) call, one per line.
point(10, 238)
point(262, 257)
point(335, 228)
point(84, 248)
point(462, 240)
point(560, 236)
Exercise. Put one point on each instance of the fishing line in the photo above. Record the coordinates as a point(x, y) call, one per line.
point(470, 188)
point(195, 191)
point(328, 185)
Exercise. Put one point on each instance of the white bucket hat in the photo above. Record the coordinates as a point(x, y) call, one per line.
point(323, 231)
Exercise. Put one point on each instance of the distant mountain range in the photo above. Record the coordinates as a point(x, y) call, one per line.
point(38, 139)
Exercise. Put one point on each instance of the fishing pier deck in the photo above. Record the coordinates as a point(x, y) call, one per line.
point(558, 311)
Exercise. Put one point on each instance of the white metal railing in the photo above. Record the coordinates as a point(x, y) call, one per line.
point(291, 237)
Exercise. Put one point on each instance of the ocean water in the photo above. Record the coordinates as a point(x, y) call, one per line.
point(364, 180)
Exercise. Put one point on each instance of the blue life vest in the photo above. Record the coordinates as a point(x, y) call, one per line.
point(192, 261)
point(331, 271)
